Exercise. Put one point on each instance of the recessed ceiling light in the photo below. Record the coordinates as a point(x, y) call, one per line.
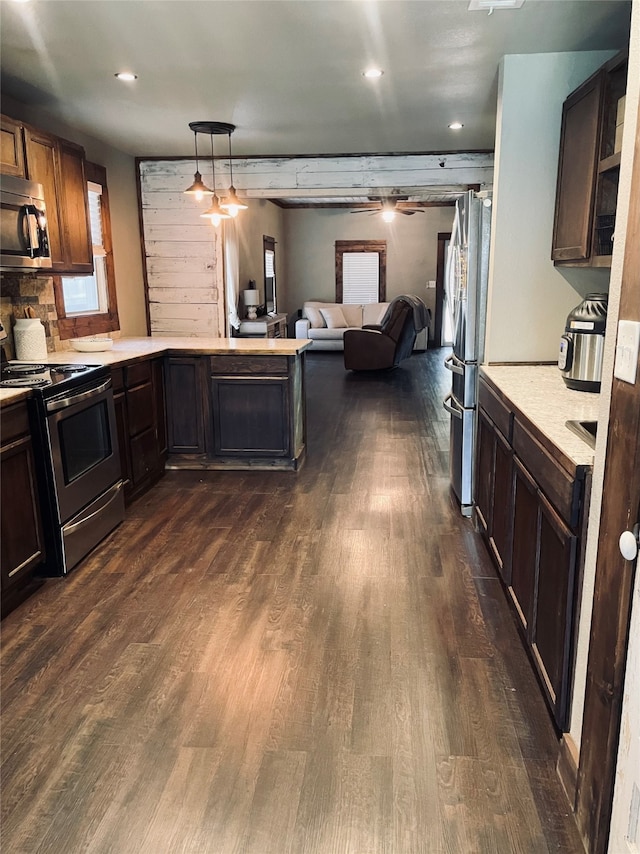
point(126, 75)
point(372, 73)
point(490, 5)
point(456, 126)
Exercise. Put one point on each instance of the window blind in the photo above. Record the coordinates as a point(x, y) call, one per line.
point(95, 217)
point(360, 277)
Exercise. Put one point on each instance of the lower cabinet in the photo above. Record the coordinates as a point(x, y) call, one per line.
point(531, 512)
point(22, 548)
point(235, 411)
point(138, 393)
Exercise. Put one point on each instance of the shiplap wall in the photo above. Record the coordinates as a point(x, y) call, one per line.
point(183, 252)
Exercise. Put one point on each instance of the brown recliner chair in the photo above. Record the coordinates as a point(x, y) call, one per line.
point(376, 348)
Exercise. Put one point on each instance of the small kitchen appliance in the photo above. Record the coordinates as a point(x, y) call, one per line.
point(582, 345)
point(75, 444)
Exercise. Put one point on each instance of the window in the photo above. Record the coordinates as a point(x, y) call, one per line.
point(269, 245)
point(361, 267)
point(86, 305)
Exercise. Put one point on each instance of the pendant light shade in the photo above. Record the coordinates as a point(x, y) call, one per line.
point(198, 189)
point(215, 212)
point(232, 203)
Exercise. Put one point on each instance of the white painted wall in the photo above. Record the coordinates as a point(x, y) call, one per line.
point(529, 299)
point(412, 243)
point(123, 204)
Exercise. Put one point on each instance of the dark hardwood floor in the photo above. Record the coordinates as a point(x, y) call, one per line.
point(280, 663)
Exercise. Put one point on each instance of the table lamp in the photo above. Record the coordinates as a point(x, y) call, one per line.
point(251, 300)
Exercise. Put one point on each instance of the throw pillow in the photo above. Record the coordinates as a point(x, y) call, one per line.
point(314, 317)
point(334, 318)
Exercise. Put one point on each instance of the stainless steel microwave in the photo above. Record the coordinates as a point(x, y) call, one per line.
point(24, 241)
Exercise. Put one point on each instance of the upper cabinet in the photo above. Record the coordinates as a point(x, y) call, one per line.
point(11, 147)
point(589, 168)
point(59, 165)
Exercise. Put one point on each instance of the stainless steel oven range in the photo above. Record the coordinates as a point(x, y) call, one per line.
point(76, 449)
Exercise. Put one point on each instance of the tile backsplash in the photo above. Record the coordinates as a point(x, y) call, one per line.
point(19, 291)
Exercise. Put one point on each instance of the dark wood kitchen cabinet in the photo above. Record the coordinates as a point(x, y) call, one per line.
point(22, 549)
point(12, 147)
point(589, 168)
point(59, 165)
point(187, 404)
point(236, 411)
point(494, 478)
point(138, 393)
point(531, 511)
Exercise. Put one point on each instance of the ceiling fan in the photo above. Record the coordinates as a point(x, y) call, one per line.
point(388, 207)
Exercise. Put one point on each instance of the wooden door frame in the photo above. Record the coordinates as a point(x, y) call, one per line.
point(443, 236)
point(614, 578)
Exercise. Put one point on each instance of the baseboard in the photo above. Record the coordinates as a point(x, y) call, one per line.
point(567, 768)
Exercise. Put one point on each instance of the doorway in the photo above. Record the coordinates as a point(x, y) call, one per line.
point(443, 322)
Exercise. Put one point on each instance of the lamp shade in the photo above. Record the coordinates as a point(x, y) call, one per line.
point(250, 297)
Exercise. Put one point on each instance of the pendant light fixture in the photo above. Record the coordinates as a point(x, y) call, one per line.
point(198, 189)
point(232, 203)
point(215, 212)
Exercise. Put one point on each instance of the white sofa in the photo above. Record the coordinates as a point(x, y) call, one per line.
point(326, 327)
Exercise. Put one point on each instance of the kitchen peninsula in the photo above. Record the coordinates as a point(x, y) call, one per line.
point(230, 403)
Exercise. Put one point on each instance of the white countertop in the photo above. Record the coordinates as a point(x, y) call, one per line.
point(129, 349)
point(539, 393)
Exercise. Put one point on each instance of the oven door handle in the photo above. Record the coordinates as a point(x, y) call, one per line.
point(79, 524)
point(65, 400)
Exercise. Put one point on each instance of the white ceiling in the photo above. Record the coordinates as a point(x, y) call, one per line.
point(288, 73)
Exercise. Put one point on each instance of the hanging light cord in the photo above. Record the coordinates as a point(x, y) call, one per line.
point(213, 166)
point(230, 166)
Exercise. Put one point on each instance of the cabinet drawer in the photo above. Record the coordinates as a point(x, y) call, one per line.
point(138, 373)
point(560, 488)
point(117, 379)
point(249, 365)
point(140, 408)
point(499, 413)
point(15, 422)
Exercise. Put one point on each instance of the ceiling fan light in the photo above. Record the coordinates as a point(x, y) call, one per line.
point(198, 189)
point(388, 215)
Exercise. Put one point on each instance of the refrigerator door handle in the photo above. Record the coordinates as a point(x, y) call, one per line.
point(453, 364)
point(454, 409)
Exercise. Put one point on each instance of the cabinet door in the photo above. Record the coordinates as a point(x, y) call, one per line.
point(525, 544)
point(122, 426)
point(12, 147)
point(22, 542)
point(186, 393)
point(502, 506)
point(484, 471)
point(250, 416)
point(159, 409)
point(551, 630)
point(74, 207)
point(579, 147)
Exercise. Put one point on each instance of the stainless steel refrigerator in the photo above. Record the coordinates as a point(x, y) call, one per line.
point(466, 279)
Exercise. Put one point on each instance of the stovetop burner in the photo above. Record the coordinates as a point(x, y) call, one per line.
point(25, 382)
point(50, 379)
point(69, 369)
point(19, 370)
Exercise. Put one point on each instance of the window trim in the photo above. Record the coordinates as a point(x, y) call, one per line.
point(377, 246)
point(77, 326)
